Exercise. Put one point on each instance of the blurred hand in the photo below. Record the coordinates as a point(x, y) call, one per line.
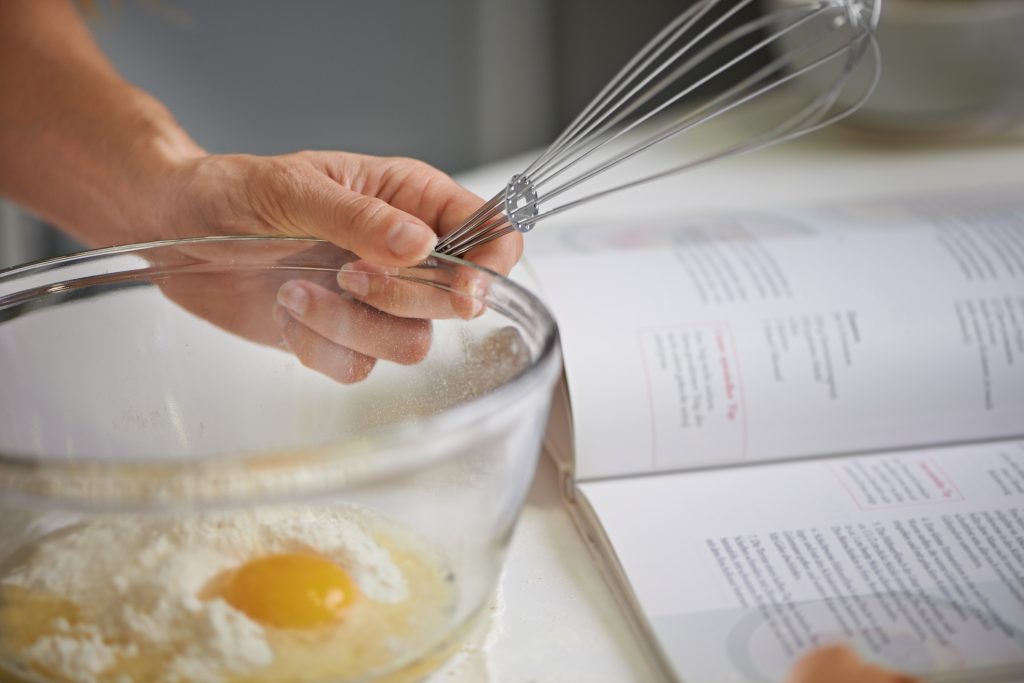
point(839, 664)
point(333, 331)
point(378, 316)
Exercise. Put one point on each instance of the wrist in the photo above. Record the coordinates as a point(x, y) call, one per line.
point(156, 207)
point(201, 194)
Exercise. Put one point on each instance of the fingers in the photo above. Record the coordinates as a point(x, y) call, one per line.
point(295, 197)
point(451, 204)
point(421, 190)
point(386, 210)
point(331, 318)
point(403, 292)
point(320, 354)
point(380, 232)
point(498, 255)
point(236, 300)
point(840, 664)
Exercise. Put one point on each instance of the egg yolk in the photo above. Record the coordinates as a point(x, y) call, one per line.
point(293, 590)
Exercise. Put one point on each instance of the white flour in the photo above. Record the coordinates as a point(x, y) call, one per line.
point(137, 582)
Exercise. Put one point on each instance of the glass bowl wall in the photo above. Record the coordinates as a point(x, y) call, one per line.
point(154, 387)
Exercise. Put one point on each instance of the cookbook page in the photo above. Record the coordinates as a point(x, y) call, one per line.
point(709, 341)
point(915, 558)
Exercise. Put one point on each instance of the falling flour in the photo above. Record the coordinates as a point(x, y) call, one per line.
point(141, 594)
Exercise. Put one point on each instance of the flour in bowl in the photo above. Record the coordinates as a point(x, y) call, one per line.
point(129, 599)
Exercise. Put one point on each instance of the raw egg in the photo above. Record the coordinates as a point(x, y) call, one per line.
point(293, 590)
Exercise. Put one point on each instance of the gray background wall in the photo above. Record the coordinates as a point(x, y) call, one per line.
point(454, 82)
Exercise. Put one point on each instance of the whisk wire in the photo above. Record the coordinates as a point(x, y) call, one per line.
point(630, 100)
point(606, 106)
point(647, 54)
point(798, 125)
point(672, 77)
point(490, 208)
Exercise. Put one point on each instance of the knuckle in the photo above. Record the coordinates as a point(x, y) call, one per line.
point(409, 163)
point(305, 156)
point(289, 175)
point(366, 212)
point(407, 169)
point(273, 185)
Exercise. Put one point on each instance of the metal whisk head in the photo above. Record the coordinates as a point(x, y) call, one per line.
point(700, 67)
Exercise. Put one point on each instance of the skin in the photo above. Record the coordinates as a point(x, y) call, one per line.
point(107, 163)
point(839, 664)
point(127, 172)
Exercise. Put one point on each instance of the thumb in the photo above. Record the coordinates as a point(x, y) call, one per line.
point(370, 227)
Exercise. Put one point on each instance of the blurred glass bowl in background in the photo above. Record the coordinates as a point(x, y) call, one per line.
point(182, 499)
point(949, 68)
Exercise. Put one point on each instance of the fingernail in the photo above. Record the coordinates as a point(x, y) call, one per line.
point(406, 240)
point(294, 297)
point(477, 305)
point(354, 281)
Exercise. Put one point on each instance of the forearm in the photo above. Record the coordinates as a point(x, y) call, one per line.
point(78, 145)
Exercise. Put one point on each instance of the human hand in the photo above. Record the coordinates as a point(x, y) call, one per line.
point(337, 334)
point(364, 204)
point(388, 211)
point(840, 664)
point(107, 163)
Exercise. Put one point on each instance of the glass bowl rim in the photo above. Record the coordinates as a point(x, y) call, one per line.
point(391, 452)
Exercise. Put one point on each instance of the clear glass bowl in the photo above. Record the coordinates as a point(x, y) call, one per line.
point(195, 486)
point(950, 68)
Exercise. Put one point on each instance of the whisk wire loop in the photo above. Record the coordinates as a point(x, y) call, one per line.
point(646, 55)
point(697, 55)
point(607, 106)
point(681, 126)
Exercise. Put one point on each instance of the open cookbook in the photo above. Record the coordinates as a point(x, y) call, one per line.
point(791, 429)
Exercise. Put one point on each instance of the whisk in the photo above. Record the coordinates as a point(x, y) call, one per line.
point(699, 67)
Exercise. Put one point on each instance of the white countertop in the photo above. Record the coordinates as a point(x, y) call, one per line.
point(554, 618)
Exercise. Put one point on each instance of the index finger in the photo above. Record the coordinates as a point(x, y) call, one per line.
point(432, 196)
